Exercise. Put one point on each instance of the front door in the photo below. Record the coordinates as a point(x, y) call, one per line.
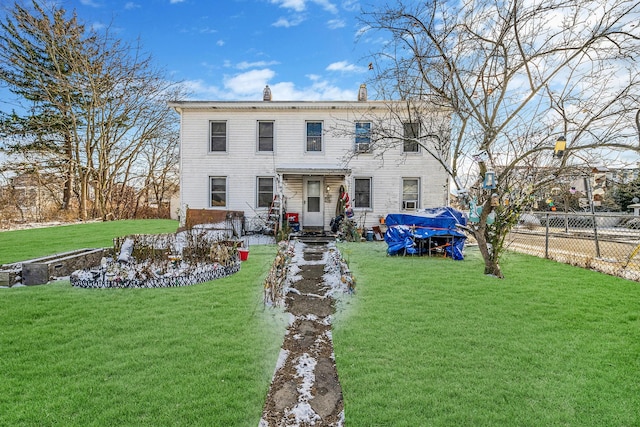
point(312, 215)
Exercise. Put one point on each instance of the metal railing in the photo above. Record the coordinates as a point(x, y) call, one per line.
point(606, 242)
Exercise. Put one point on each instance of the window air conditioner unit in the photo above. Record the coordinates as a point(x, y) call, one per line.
point(410, 204)
point(362, 147)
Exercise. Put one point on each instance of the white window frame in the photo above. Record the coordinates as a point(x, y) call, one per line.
point(410, 201)
point(362, 138)
point(211, 192)
point(308, 137)
point(259, 192)
point(355, 192)
point(259, 137)
point(211, 136)
point(407, 138)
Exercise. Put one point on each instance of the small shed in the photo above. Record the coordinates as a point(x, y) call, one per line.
point(427, 231)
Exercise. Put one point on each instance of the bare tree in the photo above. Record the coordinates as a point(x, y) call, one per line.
point(155, 175)
point(516, 77)
point(34, 49)
point(105, 97)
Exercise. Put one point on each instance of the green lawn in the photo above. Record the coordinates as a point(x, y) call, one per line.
point(197, 355)
point(21, 245)
point(431, 342)
point(423, 342)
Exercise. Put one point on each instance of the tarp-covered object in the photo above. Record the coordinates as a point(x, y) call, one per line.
point(410, 233)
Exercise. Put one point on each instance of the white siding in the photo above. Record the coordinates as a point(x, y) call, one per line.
point(241, 164)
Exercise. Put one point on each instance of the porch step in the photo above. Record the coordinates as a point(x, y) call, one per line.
point(312, 230)
point(315, 238)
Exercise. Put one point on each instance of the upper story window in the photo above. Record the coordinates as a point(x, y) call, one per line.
point(362, 193)
point(410, 194)
point(363, 137)
point(218, 136)
point(218, 191)
point(314, 136)
point(265, 136)
point(411, 135)
point(265, 191)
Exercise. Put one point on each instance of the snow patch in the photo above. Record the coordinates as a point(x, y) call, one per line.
point(303, 413)
point(305, 369)
point(282, 359)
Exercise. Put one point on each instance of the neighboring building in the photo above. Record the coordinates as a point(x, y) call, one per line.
point(240, 155)
point(30, 197)
point(622, 175)
point(598, 181)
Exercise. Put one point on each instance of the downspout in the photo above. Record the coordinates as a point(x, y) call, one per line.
point(182, 215)
point(280, 185)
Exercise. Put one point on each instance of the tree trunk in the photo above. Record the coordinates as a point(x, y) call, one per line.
point(490, 252)
point(491, 266)
point(67, 191)
point(100, 201)
point(83, 197)
point(69, 174)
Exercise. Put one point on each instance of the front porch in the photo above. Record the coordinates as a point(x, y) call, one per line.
point(311, 193)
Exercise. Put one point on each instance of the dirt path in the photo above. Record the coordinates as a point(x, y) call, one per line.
point(305, 390)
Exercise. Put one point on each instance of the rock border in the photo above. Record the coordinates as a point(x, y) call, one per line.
point(201, 273)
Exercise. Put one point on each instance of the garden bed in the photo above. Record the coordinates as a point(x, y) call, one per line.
point(127, 278)
point(161, 261)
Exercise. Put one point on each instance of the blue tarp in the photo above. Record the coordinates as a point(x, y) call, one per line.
point(413, 233)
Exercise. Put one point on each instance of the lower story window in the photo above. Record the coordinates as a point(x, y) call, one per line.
point(410, 193)
point(362, 193)
point(218, 188)
point(265, 192)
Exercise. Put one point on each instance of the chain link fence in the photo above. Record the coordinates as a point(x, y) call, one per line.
point(606, 242)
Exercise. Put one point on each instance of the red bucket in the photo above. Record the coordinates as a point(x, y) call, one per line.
point(244, 254)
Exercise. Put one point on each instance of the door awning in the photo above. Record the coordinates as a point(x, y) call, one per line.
point(312, 169)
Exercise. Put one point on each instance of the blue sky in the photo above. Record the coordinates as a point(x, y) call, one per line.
point(230, 49)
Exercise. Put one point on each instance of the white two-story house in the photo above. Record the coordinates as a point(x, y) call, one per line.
point(240, 155)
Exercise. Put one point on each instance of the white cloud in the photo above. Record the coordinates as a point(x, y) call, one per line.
point(281, 22)
point(297, 5)
point(336, 23)
point(198, 30)
point(301, 5)
point(326, 5)
point(175, 1)
point(362, 30)
point(286, 23)
point(207, 30)
point(244, 64)
point(199, 90)
point(319, 90)
point(97, 26)
point(131, 5)
point(250, 82)
point(344, 66)
point(249, 86)
point(90, 3)
point(220, 43)
point(350, 5)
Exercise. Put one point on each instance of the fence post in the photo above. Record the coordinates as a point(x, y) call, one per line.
point(587, 185)
point(546, 238)
point(595, 235)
